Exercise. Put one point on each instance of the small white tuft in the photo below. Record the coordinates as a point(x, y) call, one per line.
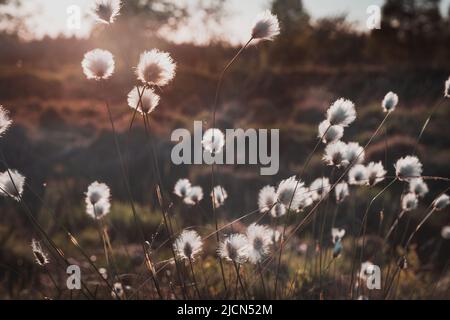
point(182, 188)
point(218, 196)
point(341, 191)
point(441, 202)
point(40, 256)
point(358, 175)
point(98, 64)
point(194, 196)
point(335, 154)
point(259, 241)
point(11, 184)
point(5, 121)
point(266, 26)
point(375, 173)
point(188, 244)
point(144, 101)
point(155, 68)
point(213, 140)
point(106, 11)
point(329, 133)
point(337, 234)
point(266, 199)
point(320, 188)
point(342, 112)
point(407, 168)
point(418, 186)
point(409, 202)
point(390, 101)
point(234, 248)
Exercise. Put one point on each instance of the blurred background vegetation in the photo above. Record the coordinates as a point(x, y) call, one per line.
point(61, 139)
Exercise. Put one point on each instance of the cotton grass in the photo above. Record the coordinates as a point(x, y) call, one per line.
point(98, 64)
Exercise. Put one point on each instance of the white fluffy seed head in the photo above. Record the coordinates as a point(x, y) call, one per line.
point(156, 68)
point(106, 11)
point(290, 193)
point(389, 102)
point(341, 191)
point(5, 121)
point(259, 241)
point(418, 186)
point(409, 201)
point(407, 168)
point(337, 234)
point(98, 64)
point(267, 198)
point(213, 140)
point(357, 175)
point(265, 26)
point(96, 192)
point(447, 88)
point(117, 291)
point(441, 202)
point(234, 248)
point(194, 196)
point(147, 96)
point(188, 245)
point(329, 133)
point(218, 196)
point(375, 173)
point(354, 153)
point(98, 210)
point(40, 256)
point(342, 112)
point(320, 188)
point(335, 154)
point(11, 184)
point(182, 188)
point(445, 232)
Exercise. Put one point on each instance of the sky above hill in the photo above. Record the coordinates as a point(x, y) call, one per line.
point(49, 17)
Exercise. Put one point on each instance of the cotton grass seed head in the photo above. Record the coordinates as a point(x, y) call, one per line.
point(98, 210)
point(320, 188)
point(234, 248)
point(106, 11)
point(98, 64)
point(194, 196)
point(266, 26)
point(375, 173)
point(155, 68)
point(266, 199)
point(5, 121)
point(335, 153)
point(341, 191)
point(337, 234)
point(96, 192)
point(358, 175)
point(259, 242)
point(329, 133)
point(389, 102)
point(445, 232)
point(354, 153)
point(117, 292)
point(278, 210)
point(418, 186)
point(148, 97)
point(409, 201)
point(182, 188)
point(218, 196)
point(447, 88)
point(407, 168)
point(188, 245)
point(290, 193)
point(11, 184)
point(40, 256)
point(213, 140)
point(441, 202)
point(342, 112)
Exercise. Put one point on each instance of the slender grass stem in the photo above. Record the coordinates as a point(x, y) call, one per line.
point(194, 279)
